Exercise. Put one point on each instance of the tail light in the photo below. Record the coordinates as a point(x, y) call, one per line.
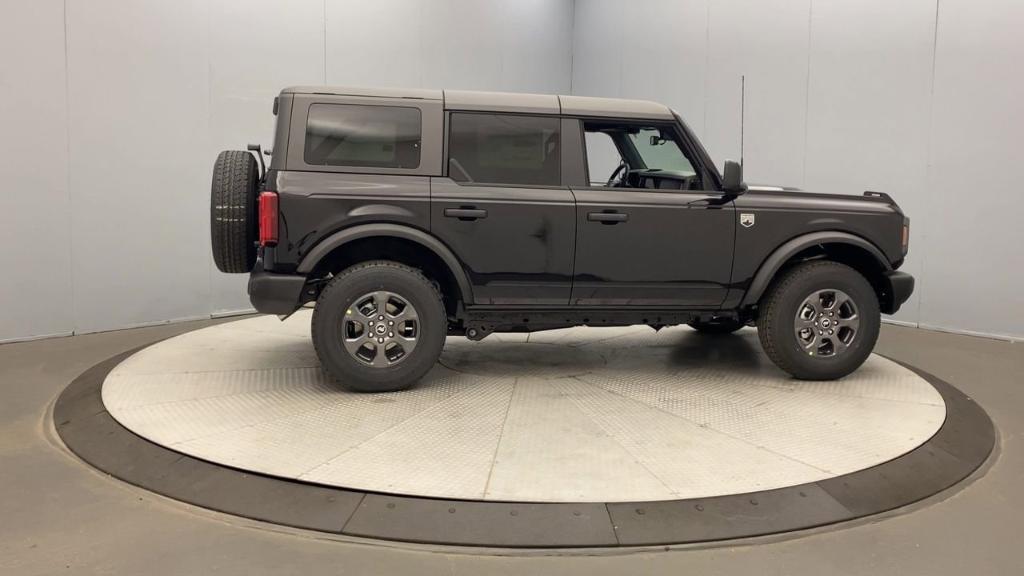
point(906, 235)
point(268, 218)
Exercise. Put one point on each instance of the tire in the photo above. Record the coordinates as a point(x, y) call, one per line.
point(341, 326)
point(233, 218)
point(717, 326)
point(806, 289)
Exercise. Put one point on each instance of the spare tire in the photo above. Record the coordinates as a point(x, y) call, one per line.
point(233, 217)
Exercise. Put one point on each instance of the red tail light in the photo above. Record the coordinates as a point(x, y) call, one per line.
point(268, 219)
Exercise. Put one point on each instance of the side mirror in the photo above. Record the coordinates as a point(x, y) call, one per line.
point(732, 178)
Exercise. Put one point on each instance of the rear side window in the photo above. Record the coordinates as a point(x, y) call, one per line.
point(504, 149)
point(364, 136)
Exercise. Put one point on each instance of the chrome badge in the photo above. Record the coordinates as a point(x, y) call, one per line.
point(747, 220)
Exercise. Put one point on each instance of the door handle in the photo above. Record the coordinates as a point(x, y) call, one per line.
point(607, 217)
point(465, 213)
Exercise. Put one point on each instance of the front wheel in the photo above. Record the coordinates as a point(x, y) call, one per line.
point(379, 326)
point(820, 321)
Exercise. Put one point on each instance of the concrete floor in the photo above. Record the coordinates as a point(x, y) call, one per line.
point(57, 515)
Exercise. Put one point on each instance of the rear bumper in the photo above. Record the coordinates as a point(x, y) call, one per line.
point(275, 293)
point(896, 289)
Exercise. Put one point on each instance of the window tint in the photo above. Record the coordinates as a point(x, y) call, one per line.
point(366, 136)
point(504, 149)
point(660, 151)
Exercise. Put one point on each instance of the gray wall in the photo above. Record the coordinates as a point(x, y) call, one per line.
point(918, 98)
point(114, 110)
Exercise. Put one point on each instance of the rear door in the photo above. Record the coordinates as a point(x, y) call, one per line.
point(502, 208)
point(663, 236)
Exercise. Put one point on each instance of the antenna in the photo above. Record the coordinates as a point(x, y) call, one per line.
point(743, 93)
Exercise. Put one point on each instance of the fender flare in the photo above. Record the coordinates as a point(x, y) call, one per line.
point(783, 253)
point(342, 237)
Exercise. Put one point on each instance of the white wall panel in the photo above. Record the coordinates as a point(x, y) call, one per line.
point(536, 46)
point(767, 43)
point(597, 48)
point(972, 267)
point(867, 109)
point(248, 68)
point(35, 290)
point(139, 161)
point(466, 44)
point(653, 50)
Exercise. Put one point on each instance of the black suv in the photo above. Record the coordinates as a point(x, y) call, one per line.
point(409, 215)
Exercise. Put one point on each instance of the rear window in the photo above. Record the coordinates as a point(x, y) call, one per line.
point(364, 136)
point(504, 149)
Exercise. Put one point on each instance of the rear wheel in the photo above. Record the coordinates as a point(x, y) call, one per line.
point(717, 326)
point(233, 226)
point(379, 326)
point(820, 321)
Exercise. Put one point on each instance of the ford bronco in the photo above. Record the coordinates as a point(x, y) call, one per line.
point(411, 215)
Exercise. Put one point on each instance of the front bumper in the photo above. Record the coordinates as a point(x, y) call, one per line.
point(896, 289)
point(272, 293)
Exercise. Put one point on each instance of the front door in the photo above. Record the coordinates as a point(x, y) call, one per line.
point(503, 211)
point(648, 233)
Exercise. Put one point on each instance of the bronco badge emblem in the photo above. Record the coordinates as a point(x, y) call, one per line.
point(747, 220)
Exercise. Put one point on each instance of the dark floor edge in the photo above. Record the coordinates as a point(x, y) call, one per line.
point(961, 445)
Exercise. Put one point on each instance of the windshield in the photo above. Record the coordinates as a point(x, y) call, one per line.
point(660, 151)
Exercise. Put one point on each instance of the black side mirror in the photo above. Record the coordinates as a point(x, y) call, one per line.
point(732, 178)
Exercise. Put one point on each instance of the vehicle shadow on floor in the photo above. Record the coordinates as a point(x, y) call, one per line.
point(727, 351)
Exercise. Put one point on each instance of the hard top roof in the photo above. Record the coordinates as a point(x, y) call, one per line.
point(506, 101)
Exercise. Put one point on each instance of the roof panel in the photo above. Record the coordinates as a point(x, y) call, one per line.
point(501, 102)
point(419, 93)
point(614, 107)
point(507, 101)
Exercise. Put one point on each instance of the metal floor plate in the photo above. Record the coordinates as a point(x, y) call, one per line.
point(574, 415)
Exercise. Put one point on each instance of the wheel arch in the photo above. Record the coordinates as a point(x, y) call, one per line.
point(405, 244)
point(850, 249)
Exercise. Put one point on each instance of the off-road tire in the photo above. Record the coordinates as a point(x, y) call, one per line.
point(233, 218)
point(717, 326)
point(778, 309)
point(341, 293)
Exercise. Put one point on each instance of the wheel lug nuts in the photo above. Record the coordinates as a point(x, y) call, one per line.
point(380, 318)
point(380, 340)
point(391, 322)
point(391, 334)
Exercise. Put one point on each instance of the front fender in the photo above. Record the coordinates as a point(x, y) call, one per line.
point(791, 248)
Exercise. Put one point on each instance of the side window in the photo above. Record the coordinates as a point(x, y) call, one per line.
point(653, 154)
point(660, 152)
point(365, 136)
point(602, 157)
point(504, 149)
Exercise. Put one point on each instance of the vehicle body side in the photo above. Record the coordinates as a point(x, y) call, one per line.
point(537, 258)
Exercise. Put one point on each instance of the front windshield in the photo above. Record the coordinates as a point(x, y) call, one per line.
point(660, 151)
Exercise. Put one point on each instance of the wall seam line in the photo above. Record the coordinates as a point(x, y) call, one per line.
point(928, 151)
point(572, 45)
point(67, 175)
point(807, 90)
